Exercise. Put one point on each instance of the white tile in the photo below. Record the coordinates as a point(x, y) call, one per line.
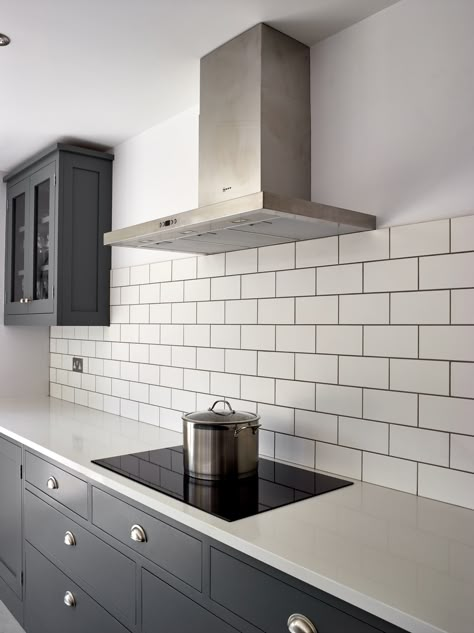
point(316, 426)
point(56, 331)
point(171, 335)
point(462, 233)
point(241, 311)
point(462, 306)
point(74, 348)
point(292, 393)
point(279, 257)
point(420, 307)
point(339, 460)
point(120, 351)
point(197, 290)
point(391, 406)
point(115, 296)
point(120, 388)
point(160, 313)
point(151, 333)
point(55, 391)
point(88, 381)
point(119, 314)
point(277, 311)
point(276, 365)
point(363, 372)
point(226, 385)
point(160, 396)
point(258, 337)
point(172, 292)
point(335, 280)
point(120, 277)
point(240, 262)
point(447, 414)
point(295, 450)
point(316, 367)
point(339, 339)
point(197, 335)
point(421, 376)
point(339, 400)
point(171, 377)
point(294, 283)
point(139, 353)
point(129, 371)
point(129, 409)
point(391, 276)
point(258, 286)
point(391, 340)
point(426, 238)
point(112, 405)
point(316, 310)
point(112, 368)
point(462, 453)
point(447, 271)
point(183, 400)
point(171, 420)
point(161, 271)
point(462, 380)
point(112, 333)
point(363, 434)
point(139, 392)
point(150, 293)
point(56, 360)
point(140, 314)
point(183, 313)
point(390, 472)
point(183, 357)
point(362, 309)
point(364, 247)
point(81, 397)
point(210, 312)
point(225, 287)
point(211, 359)
point(196, 380)
point(419, 445)
point(149, 414)
point(67, 393)
point(258, 389)
point(225, 336)
point(130, 295)
point(445, 484)
point(447, 342)
point(160, 354)
point(319, 252)
point(184, 268)
point(130, 333)
point(211, 265)
point(96, 333)
point(279, 419)
point(266, 444)
point(296, 338)
point(88, 348)
point(149, 374)
point(96, 400)
point(240, 362)
point(140, 274)
point(103, 385)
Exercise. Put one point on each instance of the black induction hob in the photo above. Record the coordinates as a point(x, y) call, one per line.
point(274, 486)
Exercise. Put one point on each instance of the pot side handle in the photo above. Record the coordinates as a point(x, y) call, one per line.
point(254, 428)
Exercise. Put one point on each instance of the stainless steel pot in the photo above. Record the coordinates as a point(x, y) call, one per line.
point(220, 443)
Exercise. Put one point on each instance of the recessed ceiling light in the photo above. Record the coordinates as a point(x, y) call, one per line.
point(4, 40)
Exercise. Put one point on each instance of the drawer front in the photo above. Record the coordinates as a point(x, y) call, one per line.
point(165, 609)
point(267, 602)
point(10, 515)
point(107, 572)
point(67, 489)
point(46, 611)
point(168, 547)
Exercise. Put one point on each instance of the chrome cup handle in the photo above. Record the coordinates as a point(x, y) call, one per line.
point(254, 428)
point(298, 623)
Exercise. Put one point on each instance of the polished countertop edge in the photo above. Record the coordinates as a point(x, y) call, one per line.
point(213, 527)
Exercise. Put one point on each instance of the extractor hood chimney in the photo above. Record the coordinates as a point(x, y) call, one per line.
point(254, 156)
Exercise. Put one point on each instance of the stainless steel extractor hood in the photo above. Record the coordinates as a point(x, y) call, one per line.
point(254, 156)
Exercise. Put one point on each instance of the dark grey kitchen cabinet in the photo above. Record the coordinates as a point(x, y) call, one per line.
point(59, 205)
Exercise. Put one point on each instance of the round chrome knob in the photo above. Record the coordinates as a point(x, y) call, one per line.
point(28, 300)
point(52, 483)
point(69, 539)
point(138, 534)
point(69, 599)
point(298, 623)
point(22, 300)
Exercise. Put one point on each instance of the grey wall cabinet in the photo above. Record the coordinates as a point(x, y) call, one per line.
point(59, 205)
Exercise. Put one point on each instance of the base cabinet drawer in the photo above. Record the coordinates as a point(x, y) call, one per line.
point(267, 602)
point(109, 574)
point(54, 604)
point(166, 609)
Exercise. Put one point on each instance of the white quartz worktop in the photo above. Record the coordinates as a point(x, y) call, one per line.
point(403, 558)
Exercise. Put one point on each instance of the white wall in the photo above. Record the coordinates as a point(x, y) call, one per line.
point(392, 105)
point(24, 351)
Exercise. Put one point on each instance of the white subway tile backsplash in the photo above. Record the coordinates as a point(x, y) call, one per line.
point(345, 461)
point(120, 277)
point(295, 283)
point(364, 247)
point(129, 295)
point(196, 380)
point(129, 371)
point(362, 309)
point(197, 290)
point(171, 420)
point(278, 419)
point(184, 268)
point(210, 359)
point(323, 310)
point(160, 313)
point(276, 365)
point(140, 313)
point(339, 339)
point(422, 376)
point(120, 351)
point(292, 393)
point(276, 311)
point(198, 335)
point(449, 342)
point(339, 400)
point(294, 449)
point(240, 361)
point(149, 374)
point(139, 392)
point(183, 400)
point(160, 271)
point(279, 257)
point(241, 262)
point(211, 265)
point(447, 271)
point(258, 389)
point(462, 306)
point(258, 286)
point(419, 445)
point(363, 371)
point(462, 234)
point(319, 252)
point(266, 444)
point(171, 377)
point(462, 380)
point(445, 484)
point(426, 238)
point(225, 287)
point(149, 414)
point(296, 338)
point(226, 385)
point(462, 453)
point(455, 415)
point(391, 406)
point(112, 333)
point(120, 388)
point(258, 337)
point(130, 333)
point(170, 335)
point(160, 396)
point(428, 307)
point(114, 296)
point(316, 426)
point(112, 368)
point(150, 293)
point(335, 280)
point(140, 274)
point(183, 357)
point(316, 368)
point(160, 354)
point(363, 434)
point(183, 313)
point(241, 311)
point(390, 472)
point(111, 405)
point(103, 385)
point(119, 314)
point(391, 276)
point(224, 336)
point(172, 292)
point(391, 340)
point(210, 312)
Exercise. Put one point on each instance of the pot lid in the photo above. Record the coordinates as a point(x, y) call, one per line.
point(220, 416)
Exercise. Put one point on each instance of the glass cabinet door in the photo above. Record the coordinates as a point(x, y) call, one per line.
point(17, 248)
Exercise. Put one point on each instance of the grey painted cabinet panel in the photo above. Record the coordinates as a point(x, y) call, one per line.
point(11, 515)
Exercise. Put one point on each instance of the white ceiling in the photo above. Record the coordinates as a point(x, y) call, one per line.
point(104, 70)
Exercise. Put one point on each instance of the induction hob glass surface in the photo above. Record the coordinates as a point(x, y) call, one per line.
point(274, 486)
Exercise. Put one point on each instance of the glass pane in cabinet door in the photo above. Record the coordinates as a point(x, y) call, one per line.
point(18, 249)
point(41, 240)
